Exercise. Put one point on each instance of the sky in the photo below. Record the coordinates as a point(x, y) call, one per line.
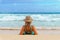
point(29, 5)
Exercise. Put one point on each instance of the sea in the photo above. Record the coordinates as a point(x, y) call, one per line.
point(16, 20)
point(40, 20)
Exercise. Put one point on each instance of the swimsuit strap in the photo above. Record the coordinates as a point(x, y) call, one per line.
point(31, 28)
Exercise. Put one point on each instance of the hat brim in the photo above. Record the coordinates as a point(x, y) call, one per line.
point(28, 20)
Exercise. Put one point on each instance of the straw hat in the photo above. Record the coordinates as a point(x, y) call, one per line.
point(28, 19)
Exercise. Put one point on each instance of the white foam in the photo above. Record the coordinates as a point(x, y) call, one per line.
point(48, 17)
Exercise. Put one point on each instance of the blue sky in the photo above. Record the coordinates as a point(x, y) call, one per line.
point(29, 5)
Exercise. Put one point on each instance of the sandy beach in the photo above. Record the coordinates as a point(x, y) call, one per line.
point(40, 31)
point(30, 37)
point(43, 34)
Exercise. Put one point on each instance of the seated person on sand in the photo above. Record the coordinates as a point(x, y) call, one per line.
point(28, 29)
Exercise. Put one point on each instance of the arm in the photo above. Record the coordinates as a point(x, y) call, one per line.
point(35, 31)
point(22, 30)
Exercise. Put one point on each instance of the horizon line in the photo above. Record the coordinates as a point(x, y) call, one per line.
point(29, 12)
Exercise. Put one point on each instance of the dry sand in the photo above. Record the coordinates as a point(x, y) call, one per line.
point(30, 37)
point(43, 35)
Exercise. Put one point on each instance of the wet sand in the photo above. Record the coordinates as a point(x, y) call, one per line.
point(40, 31)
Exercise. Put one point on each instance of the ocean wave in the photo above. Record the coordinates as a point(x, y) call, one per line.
point(44, 17)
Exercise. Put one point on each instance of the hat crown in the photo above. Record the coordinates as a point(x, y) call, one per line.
point(28, 18)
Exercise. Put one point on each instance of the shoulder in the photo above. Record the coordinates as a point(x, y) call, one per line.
point(22, 27)
point(33, 28)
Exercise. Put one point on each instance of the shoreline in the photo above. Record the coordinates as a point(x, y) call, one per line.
point(17, 30)
point(36, 28)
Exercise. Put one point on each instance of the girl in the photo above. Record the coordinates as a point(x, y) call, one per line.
point(28, 29)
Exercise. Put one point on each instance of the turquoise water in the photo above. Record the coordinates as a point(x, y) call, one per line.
point(39, 20)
